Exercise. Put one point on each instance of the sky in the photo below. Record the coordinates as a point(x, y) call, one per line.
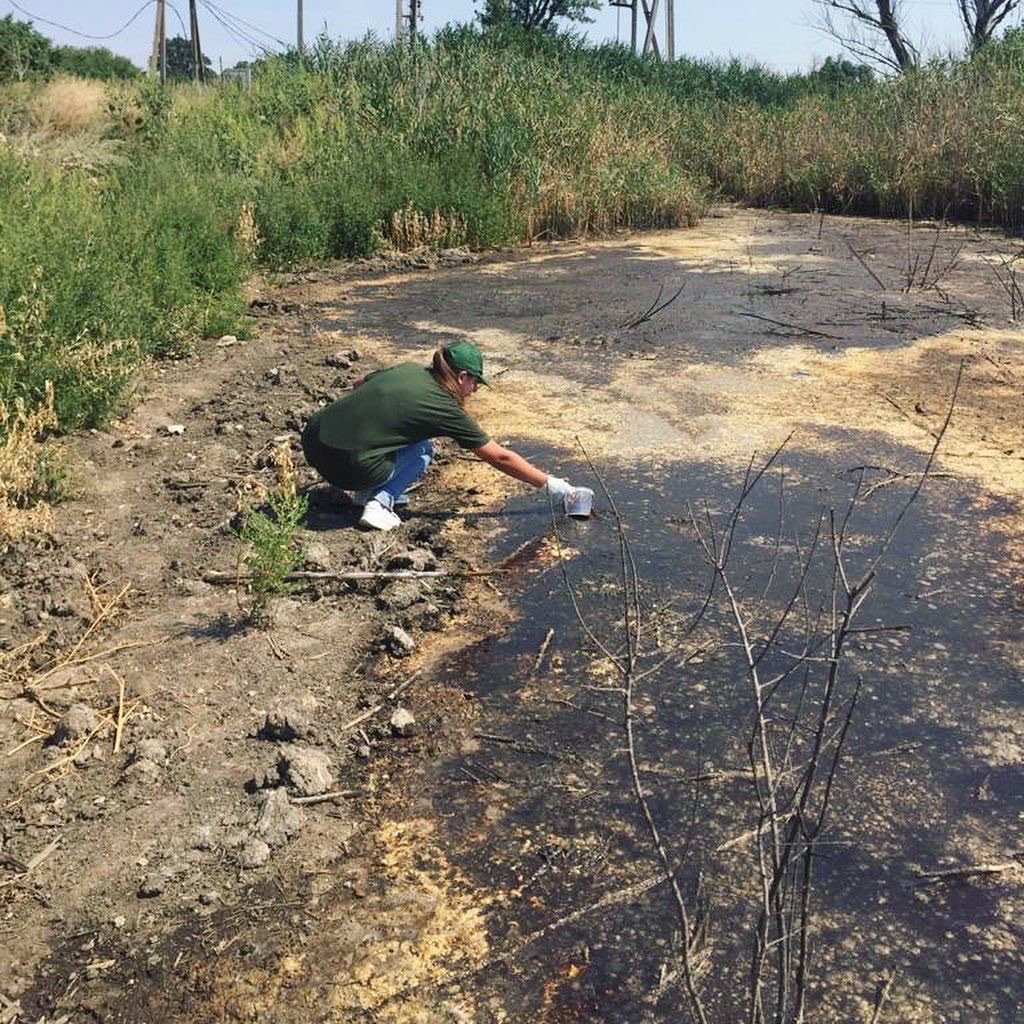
point(779, 34)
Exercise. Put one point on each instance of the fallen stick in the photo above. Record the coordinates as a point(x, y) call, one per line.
point(214, 576)
point(320, 798)
point(860, 259)
point(883, 995)
point(906, 415)
point(25, 743)
point(121, 717)
point(392, 696)
point(402, 687)
point(543, 650)
point(965, 872)
point(359, 719)
point(86, 659)
point(526, 748)
point(11, 1010)
point(42, 855)
point(799, 328)
point(104, 612)
point(60, 765)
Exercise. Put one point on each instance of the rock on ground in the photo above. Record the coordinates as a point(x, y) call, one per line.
point(403, 723)
point(305, 770)
point(279, 820)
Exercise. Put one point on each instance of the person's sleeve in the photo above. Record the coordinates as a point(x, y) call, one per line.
point(464, 430)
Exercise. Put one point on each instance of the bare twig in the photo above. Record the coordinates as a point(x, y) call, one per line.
point(860, 259)
point(320, 798)
point(543, 650)
point(121, 716)
point(653, 309)
point(954, 874)
point(44, 854)
point(883, 995)
point(795, 328)
point(377, 708)
point(214, 576)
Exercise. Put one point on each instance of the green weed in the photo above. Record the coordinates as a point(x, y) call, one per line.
point(270, 539)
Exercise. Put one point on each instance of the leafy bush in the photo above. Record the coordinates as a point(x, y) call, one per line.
point(272, 550)
point(93, 62)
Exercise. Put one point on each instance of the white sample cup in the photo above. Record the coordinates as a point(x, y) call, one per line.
point(579, 502)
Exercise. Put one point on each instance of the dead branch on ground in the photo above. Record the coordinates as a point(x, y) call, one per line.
point(216, 576)
point(656, 307)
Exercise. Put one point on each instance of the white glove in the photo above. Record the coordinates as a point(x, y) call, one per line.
point(558, 488)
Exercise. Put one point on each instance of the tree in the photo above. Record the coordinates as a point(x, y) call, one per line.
point(179, 59)
point(93, 62)
point(535, 15)
point(982, 17)
point(873, 31)
point(24, 52)
point(838, 76)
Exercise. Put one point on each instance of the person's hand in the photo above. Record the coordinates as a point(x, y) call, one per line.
point(558, 488)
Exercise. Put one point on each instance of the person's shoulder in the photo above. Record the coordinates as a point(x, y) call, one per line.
point(395, 372)
point(409, 369)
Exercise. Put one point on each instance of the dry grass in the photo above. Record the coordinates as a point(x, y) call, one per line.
point(22, 462)
point(69, 104)
point(410, 229)
point(247, 230)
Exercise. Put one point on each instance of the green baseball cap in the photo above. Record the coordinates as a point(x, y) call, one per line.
point(464, 355)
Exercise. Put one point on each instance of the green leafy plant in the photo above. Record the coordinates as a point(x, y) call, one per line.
point(272, 548)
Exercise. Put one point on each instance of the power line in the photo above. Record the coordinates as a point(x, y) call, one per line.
point(242, 21)
point(185, 34)
point(74, 31)
point(231, 24)
point(238, 35)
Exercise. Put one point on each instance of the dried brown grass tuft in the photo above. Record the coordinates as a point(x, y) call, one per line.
point(22, 462)
point(411, 229)
point(69, 104)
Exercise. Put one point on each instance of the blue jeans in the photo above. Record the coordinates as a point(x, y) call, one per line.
point(410, 464)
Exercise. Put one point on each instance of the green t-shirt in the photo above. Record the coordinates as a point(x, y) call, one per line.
point(392, 408)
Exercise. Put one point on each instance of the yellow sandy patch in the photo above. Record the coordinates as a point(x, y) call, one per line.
point(424, 929)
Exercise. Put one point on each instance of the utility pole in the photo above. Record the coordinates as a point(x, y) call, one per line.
point(414, 18)
point(399, 14)
point(650, 11)
point(301, 41)
point(158, 58)
point(198, 70)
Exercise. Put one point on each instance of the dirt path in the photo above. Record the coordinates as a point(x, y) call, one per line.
point(172, 880)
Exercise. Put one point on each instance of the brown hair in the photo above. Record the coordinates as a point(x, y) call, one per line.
point(446, 376)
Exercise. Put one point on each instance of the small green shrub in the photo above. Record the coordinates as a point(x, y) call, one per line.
point(271, 546)
point(273, 550)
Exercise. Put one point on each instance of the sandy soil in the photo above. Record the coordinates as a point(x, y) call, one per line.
point(162, 874)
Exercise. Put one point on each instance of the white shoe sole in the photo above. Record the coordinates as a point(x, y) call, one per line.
point(376, 517)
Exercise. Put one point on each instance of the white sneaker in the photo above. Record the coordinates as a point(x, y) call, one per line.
point(362, 497)
point(377, 517)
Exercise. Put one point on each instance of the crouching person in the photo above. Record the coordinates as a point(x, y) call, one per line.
point(376, 440)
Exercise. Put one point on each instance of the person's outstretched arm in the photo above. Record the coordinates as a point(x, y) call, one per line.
point(514, 465)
